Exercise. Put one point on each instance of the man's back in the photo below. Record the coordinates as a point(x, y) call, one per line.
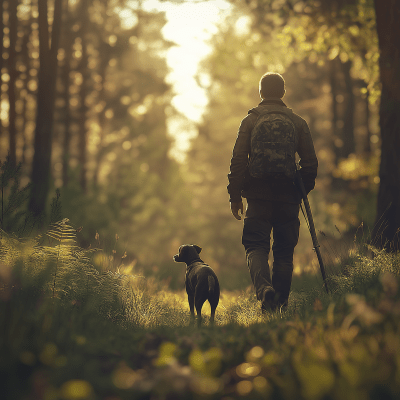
point(241, 183)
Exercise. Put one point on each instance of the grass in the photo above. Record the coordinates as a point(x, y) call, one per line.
point(72, 329)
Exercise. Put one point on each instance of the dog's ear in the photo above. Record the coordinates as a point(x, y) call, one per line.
point(198, 248)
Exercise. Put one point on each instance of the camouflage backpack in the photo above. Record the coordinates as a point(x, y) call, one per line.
point(273, 145)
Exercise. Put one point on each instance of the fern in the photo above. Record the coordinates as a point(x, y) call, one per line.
point(76, 281)
point(62, 232)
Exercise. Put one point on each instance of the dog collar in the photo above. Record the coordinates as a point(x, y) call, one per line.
point(193, 263)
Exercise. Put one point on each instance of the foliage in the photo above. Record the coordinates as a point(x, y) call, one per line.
point(304, 41)
point(113, 106)
point(134, 189)
point(320, 31)
point(110, 168)
point(137, 206)
point(87, 334)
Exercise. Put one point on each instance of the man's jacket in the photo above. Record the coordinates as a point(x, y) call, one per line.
point(241, 184)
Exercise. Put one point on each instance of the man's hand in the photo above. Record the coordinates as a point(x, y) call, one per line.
point(235, 208)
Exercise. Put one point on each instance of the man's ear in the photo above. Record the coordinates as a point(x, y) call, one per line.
point(176, 258)
point(198, 248)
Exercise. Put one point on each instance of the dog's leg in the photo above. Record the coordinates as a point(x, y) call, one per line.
point(212, 315)
point(191, 306)
point(199, 319)
point(199, 304)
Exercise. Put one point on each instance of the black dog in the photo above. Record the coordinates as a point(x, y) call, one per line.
point(201, 282)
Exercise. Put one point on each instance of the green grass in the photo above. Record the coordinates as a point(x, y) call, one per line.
point(72, 329)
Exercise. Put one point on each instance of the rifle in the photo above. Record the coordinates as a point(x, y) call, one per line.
point(311, 227)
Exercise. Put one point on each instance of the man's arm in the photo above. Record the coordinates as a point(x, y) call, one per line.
point(239, 161)
point(308, 158)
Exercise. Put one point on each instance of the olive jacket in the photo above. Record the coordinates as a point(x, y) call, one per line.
point(241, 184)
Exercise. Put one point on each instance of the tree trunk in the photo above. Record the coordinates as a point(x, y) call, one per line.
point(367, 142)
point(386, 230)
point(1, 53)
point(26, 61)
point(40, 177)
point(102, 122)
point(83, 93)
point(69, 40)
point(100, 152)
point(334, 108)
point(12, 70)
point(348, 118)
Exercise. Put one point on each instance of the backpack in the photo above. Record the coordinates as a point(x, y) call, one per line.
point(273, 146)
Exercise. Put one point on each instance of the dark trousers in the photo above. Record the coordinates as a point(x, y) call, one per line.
point(282, 219)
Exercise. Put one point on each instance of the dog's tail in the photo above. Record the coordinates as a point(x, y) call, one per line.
point(211, 284)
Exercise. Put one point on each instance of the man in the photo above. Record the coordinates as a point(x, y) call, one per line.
point(262, 170)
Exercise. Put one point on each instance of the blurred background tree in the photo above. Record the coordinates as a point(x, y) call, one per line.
point(387, 225)
point(85, 107)
point(95, 103)
point(45, 100)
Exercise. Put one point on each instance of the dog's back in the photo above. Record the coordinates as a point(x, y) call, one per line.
point(202, 281)
point(203, 275)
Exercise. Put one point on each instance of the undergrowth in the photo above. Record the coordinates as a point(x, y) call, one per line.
point(78, 325)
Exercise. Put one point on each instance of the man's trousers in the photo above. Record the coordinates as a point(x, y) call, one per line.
point(282, 219)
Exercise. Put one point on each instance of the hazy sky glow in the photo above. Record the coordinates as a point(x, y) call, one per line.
point(190, 24)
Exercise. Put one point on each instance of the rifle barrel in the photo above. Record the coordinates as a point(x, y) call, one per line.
point(311, 227)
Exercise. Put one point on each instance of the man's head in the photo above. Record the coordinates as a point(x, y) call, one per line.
point(272, 84)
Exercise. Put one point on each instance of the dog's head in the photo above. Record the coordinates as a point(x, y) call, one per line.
point(187, 253)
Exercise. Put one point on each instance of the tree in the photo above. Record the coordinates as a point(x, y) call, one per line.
point(48, 50)
point(67, 43)
point(387, 226)
point(1, 51)
point(84, 11)
point(13, 73)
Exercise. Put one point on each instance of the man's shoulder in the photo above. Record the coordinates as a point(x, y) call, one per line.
point(298, 120)
point(298, 117)
point(250, 118)
point(255, 112)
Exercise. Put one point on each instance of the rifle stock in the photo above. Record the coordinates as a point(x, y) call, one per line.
point(300, 185)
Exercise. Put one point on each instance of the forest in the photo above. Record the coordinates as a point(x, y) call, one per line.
point(95, 201)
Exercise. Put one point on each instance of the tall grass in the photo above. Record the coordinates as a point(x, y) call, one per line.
point(83, 328)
